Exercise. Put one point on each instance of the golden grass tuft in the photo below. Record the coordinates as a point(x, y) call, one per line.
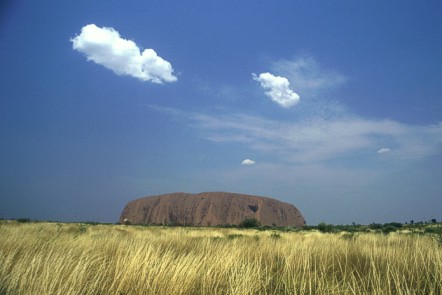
point(50, 258)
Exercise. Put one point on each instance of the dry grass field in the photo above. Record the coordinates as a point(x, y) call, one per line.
point(58, 258)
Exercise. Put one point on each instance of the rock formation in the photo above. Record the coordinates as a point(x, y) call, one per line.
point(210, 209)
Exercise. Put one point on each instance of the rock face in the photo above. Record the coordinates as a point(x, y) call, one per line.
point(210, 209)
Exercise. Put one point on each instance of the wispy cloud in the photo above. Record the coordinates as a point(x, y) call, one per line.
point(278, 89)
point(105, 47)
point(248, 162)
point(317, 139)
point(308, 76)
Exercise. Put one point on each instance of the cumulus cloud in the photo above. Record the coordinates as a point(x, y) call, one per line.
point(278, 89)
point(248, 162)
point(383, 150)
point(105, 47)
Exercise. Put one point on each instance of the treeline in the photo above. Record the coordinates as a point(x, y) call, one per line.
point(427, 226)
point(430, 226)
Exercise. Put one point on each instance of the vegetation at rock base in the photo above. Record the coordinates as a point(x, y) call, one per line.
point(89, 258)
point(249, 223)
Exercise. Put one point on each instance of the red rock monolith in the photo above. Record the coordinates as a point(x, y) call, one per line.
point(210, 209)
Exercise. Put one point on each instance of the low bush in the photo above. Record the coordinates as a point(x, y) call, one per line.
point(325, 228)
point(388, 229)
point(249, 223)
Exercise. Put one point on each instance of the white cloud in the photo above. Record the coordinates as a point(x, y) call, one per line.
point(104, 46)
point(383, 150)
point(248, 162)
point(278, 89)
point(311, 79)
point(331, 134)
point(318, 139)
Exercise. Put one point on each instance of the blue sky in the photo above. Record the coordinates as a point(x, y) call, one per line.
point(333, 106)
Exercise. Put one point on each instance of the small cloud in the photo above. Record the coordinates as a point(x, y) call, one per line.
point(383, 150)
point(248, 162)
point(279, 89)
point(105, 47)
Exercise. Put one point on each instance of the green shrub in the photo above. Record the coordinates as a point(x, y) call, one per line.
point(375, 226)
point(393, 224)
point(389, 229)
point(249, 223)
point(325, 228)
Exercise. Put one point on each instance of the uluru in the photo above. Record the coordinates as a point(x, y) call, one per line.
point(210, 209)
